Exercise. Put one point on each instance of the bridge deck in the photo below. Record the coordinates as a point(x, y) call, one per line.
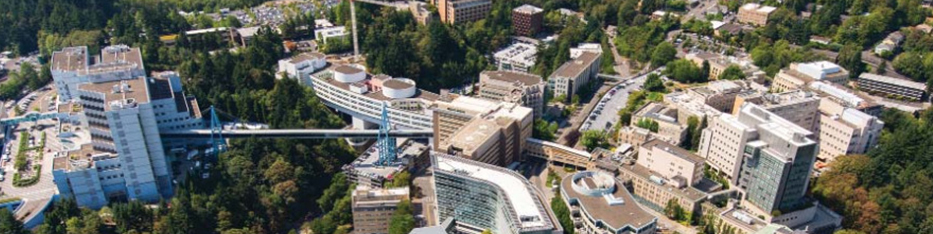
point(297, 133)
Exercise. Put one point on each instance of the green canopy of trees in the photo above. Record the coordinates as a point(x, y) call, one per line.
point(684, 71)
point(593, 139)
point(732, 72)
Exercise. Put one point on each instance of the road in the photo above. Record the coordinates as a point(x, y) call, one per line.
point(423, 201)
point(604, 118)
point(621, 63)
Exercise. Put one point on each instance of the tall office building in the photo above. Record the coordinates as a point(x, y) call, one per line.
point(797, 106)
point(487, 197)
point(459, 11)
point(373, 208)
point(527, 19)
point(579, 71)
point(844, 130)
point(768, 157)
point(482, 130)
point(74, 65)
point(515, 87)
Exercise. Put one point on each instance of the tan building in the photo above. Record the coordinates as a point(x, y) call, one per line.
point(420, 12)
point(486, 131)
point(666, 118)
point(527, 20)
point(635, 136)
point(799, 107)
point(845, 97)
point(569, 77)
point(459, 11)
point(672, 162)
point(558, 154)
point(798, 75)
point(844, 131)
point(600, 203)
point(688, 105)
point(655, 191)
point(719, 64)
point(515, 87)
point(719, 94)
point(755, 14)
point(373, 208)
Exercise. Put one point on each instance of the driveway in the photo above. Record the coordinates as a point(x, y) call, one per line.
point(607, 116)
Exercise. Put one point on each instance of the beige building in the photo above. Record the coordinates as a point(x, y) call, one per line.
point(799, 107)
point(844, 131)
point(755, 14)
point(666, 118)
point(515, 87)
point(672, 162)
point(459, 11)
point(599, 203)
point(688, 105)
point(569, 77)
point(798, 75)
point(635, 136)
point(373, 208)
point(420, 12)
point(482, 130)
point(655, 191)
point(719, 64)
point(845, 97)
point(719, 94)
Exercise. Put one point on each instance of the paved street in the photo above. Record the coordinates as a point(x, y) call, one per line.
point(423, 202)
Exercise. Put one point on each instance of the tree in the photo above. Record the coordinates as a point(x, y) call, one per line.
point(9, 223)
point(663, 53)
point(593, 139)
point(909, 64)
point(733, 72)
point(684, 71)
point(649, 124)
point(542, 130)
point(850, 58)
point(692, 125)
point(563, 213)
point(401, 179)
point(402, 222)
point(696, 133)
point(653, 83)
point(882, 68)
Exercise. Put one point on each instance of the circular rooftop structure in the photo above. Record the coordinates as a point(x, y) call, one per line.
point(399, 88)
point(349, 73)
point(593, 184)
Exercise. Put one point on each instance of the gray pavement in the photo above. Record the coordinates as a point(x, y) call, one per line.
point(607, 116)
point(35, 196)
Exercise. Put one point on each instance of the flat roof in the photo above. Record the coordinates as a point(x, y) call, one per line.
point(396, 84)
point(70, 59)
point(673, 149)
point(606, 207)
point(522, 197)
point(528, 9)
point(574, 68)
point(519, 52)
point(893, 81)
point(770, 122)
point(136, 90)
point(305, 57)
point(695, 192)
point(512, 76)
point(476, 133)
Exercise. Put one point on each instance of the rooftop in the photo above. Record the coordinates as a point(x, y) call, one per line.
point(306, 56)
point(526, 201)
point(528, 9)
point(605, 198)
point(673, 149)
point(893, 81)
point(694, 192)
point(840, 93)
point(365, 164)
point(751, 114)
point(519, 52)
point(573, 68)
point(112, 58)
point(126, 92)
point(511, 76)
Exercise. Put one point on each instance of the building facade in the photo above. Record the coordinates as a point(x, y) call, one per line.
point(799, 107)
point(490, 198)
point(515, 87)
point(482, 130)
point(755, 14)
point(892, 86)
point(373, 208)
point(569, 77)
point(527, 20)
point(74, 65)
point(520, 57)
point(600, 203)
point(844, 131)
point(798, 75)
point(302, 66)
point(459, 11)
point(679, 165)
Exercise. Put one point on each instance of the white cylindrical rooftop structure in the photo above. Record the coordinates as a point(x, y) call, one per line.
point(399, 88)
point(349, 74)
point(318, 60)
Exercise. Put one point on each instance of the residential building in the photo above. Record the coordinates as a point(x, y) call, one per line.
point(892, 87)
point(520, 57)
point(301, 66)
point(800, 74)
point(666, 119)
point(373, 208)
point(527, 20)
point(459, 11)
point(603, 205)
point(727, 138)
point(755, 14)
point(680, 166)
point(119, 155)
point(578, 72)
point(799, 107)
point(420, 12)
point(74, 65)
point(844, 131)
point(481, 130)
point(845, 97)
point(515, 87)
point(890, 43)
point(489, 197)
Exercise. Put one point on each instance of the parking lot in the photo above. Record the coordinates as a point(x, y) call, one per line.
point(605, 115)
